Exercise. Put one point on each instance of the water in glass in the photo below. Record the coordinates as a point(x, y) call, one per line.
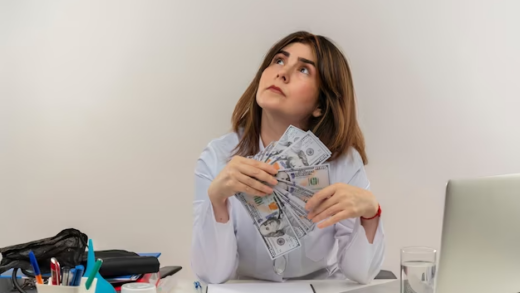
point(417, 277)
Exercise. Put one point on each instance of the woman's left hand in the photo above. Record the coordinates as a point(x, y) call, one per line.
point(339, 202)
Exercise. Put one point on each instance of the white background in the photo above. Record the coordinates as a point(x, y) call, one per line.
point(106, 105)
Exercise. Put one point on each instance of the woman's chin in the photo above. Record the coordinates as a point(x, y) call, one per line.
point(271, 105)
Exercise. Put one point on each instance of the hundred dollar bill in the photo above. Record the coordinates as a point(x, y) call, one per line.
point(300, 192)
point(289, 137)
point(260, 155)
point(299, 228)
point(261, 208)
point(316, 138)
point(295, 222)
point(297, 206)
point(267, 151)
point(312, 177)
point(276, 231)
point(307, 151)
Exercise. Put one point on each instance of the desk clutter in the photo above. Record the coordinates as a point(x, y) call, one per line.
point(68, 263)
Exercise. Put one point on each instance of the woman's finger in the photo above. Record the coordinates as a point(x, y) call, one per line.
point(327, 203)
point(330, 211)
point(241, 187)
point(319, 196)
point(254, 184)
point(257, 173)
point(334, 219)
point(262, 166)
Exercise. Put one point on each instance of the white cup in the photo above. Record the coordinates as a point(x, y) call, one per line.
point(138, 288)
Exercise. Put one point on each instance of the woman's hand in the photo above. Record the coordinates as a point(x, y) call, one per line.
point(339, 202)
point(242, 175)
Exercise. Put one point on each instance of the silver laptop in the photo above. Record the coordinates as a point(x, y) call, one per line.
point(480, 250)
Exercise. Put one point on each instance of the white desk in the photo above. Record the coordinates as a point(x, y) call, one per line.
point(321, 286)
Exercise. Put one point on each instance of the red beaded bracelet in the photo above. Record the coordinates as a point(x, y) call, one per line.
point(377, 215)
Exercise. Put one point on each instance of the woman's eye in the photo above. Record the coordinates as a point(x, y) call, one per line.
point(304, 70)
point(278, 61)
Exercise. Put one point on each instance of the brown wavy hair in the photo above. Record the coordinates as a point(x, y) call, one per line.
point(337, 127)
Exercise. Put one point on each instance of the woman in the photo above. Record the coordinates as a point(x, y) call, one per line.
point(304, 81)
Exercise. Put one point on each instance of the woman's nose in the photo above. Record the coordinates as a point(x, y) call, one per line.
point(283, 75)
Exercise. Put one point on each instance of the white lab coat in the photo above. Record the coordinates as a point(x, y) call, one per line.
point(234, 250)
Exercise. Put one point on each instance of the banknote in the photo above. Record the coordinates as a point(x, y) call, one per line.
point(276, 231)
point(267, 151)
point(298, 227)
point(290, 136)
point(302, 230)
point(312, 177)
point(260, 207)
point(300, 192)
point(297, 206)
point(307, 151)
point(279, 236)
point(319, 141)
point(261, 154)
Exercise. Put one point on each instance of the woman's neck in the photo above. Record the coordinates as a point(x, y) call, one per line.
point(272, 127)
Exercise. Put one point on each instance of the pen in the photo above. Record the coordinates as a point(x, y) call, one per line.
point(198, 287)
point(55, 272)
point(79, 274)
point(65, 276)
point(72, 276)
point(36, 268)
point(92, 275)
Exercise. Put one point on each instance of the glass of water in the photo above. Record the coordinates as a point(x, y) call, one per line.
point(418, 269)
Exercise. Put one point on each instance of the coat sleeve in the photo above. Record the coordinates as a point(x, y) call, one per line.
point(359, 260)
point(214, 245)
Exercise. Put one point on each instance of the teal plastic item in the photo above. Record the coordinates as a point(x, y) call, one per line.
point(103, 286)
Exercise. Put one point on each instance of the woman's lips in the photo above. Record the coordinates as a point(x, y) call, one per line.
point(276, 90)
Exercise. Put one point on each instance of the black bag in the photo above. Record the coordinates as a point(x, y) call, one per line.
point(68, 247)
point(117, 262)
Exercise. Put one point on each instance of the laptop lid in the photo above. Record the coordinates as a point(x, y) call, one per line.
point(480, 250)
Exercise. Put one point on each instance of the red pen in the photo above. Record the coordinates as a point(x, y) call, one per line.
point(55, 272)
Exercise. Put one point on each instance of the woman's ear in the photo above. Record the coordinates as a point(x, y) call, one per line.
point(317, 112)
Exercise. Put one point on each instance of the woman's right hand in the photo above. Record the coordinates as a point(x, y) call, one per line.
point(242, 175)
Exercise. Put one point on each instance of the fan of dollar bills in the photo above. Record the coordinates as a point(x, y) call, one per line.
point(281, 218)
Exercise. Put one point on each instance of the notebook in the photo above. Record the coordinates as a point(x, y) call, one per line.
point(262, 288)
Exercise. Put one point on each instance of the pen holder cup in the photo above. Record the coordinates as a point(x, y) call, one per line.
point(42, 288)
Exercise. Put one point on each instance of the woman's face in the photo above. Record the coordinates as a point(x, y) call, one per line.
point(289, 85)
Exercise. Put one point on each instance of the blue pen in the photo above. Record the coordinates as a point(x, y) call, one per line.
point(79, 274)
point(198, 287)
point(72, 276)
point(36, 268)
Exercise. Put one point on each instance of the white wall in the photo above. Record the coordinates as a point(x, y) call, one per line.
point(106, 105)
